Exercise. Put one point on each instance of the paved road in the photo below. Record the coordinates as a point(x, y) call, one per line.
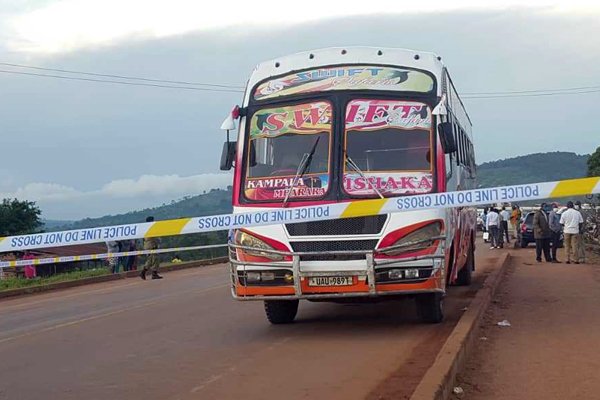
point(184, 338)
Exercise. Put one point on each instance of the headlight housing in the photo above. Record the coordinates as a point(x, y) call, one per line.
point(245, 239)
point(419, 239)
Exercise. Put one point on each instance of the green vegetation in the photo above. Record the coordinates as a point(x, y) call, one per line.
point(194, 239)
point(19, 217)
point(593, 164)
point(539, 167)
point(15, 283)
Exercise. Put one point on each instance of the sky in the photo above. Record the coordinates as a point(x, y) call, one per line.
point(85, 149)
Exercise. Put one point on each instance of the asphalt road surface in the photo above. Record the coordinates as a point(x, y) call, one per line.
point(184, 337)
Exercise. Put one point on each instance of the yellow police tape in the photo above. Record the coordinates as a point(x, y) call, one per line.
point(272, 216)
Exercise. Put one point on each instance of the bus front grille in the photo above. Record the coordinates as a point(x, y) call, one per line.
point(346, 226)
point(320, 248)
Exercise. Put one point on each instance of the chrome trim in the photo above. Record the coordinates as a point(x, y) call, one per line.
point(336, 295)
point(371, 273)
point(296, 273)
point(399, 246)
point(408, 259)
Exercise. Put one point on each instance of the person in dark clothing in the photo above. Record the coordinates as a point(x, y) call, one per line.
point(505, 215)
point(555, 231)
point(128, 261)
point(541, 234)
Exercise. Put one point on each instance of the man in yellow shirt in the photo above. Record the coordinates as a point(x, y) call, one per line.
point(515, 218)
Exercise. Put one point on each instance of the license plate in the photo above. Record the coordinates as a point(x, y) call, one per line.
point(330, 281)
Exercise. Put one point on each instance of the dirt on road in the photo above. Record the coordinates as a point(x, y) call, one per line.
point(550, 350)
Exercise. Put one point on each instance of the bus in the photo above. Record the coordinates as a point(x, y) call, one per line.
point(342, 125)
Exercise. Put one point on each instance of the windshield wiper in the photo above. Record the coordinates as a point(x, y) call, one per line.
point(302, 168)
point(355, 167)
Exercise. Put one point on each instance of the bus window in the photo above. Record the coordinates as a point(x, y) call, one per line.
point(279, 138)
point(390, 142)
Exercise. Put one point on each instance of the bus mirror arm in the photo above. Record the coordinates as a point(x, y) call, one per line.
point(447, 137)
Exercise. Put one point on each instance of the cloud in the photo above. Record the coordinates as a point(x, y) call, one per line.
point(44, 191)
point(121, 195)
point(66, 25)
point(89, 137)
point(165, 185)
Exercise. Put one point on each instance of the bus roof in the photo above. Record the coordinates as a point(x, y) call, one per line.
point(348, 55)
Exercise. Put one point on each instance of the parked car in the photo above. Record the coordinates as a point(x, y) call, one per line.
point(526, 231)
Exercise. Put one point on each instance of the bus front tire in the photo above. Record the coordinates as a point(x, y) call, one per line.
point(430, 307)
point(281, 311)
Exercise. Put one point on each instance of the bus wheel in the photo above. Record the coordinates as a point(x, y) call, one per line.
point(430, 307)
point(465, 275)
point(281, 311)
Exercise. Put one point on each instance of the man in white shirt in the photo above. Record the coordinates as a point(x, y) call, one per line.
point(504, 224)
point(492, 225)
point(571, 220)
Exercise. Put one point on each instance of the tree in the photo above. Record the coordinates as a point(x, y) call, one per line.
point(19, 217)
point(594, 163)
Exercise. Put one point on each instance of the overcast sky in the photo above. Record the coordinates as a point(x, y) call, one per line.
point(87, 149)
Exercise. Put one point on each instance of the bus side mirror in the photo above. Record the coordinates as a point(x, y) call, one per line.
point(227, 155)
point(447, 137)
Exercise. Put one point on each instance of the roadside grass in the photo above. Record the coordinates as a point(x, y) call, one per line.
point(16, 283)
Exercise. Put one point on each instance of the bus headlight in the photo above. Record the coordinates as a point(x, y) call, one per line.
point(419, 239)
point(245, 239)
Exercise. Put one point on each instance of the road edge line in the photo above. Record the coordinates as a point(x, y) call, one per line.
point(5, 294)
point(438, 381)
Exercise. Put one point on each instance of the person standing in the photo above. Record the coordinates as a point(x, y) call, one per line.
point(484, 223)
point(572, 223)
point(504, 224)
point(515, 218)
point(555, 230)
point(113, 261)
point(492, 225)
point(581, 240)
point(128, 261)
point(500, 231)
point(152, 262)
point(541, 234)
point(29, 269)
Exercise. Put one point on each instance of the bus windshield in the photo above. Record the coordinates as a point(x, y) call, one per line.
point(390, 142)
point(278, 139)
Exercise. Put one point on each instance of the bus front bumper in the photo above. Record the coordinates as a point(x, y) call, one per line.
point(370, 277)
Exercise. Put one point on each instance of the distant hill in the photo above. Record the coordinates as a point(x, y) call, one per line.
point(216, 201)
point(539, 167)
point(52, 225)
point(531, 168)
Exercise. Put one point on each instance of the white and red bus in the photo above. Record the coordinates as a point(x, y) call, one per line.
point(340, 125)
